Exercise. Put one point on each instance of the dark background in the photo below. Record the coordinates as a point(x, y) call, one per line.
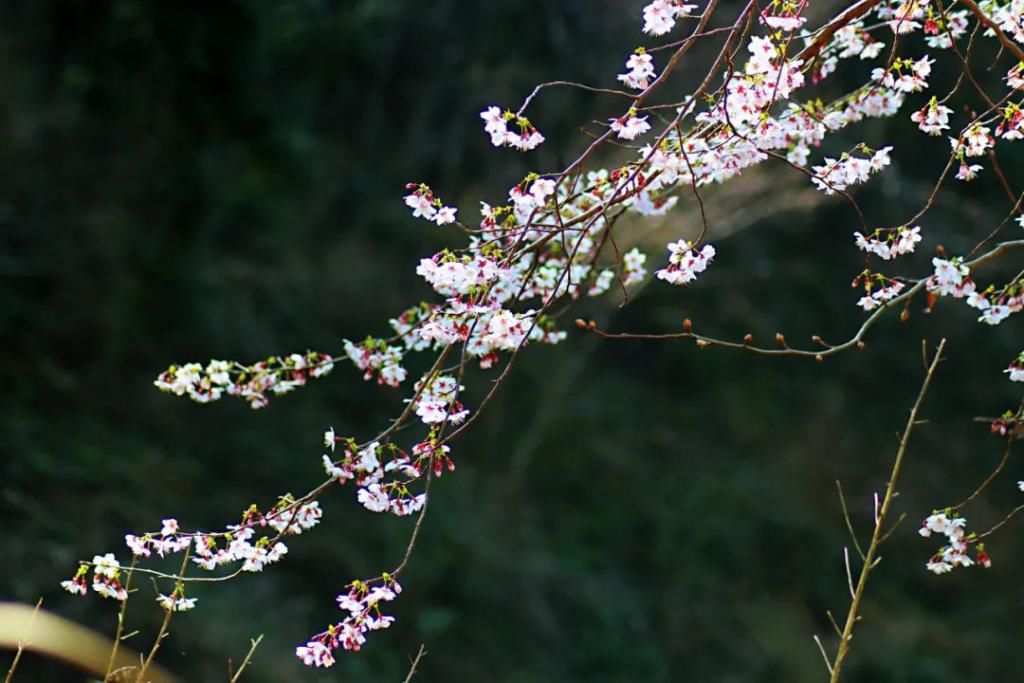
point(184, 181)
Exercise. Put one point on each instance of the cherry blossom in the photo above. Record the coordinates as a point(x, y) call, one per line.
point(974, 142)
point(660, 16)
point(878, 295)
point(362, 605)
point(967, 172)
point(641, 70)
point(887, 244)
point(633, 267)
point(496, 124)
point(630, 126)
point(1016, 370)
point(784, 15)
point(176, 602)
point(839, 174)
point(276, 375)
point(1015, 77)
point(943, 30)
point(933, 118)
point(955, 553)
point(949, 277)
point(425, 205)
point(684, 263)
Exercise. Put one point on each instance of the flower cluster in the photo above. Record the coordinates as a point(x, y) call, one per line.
point(453, 276)
point(853, 40)
point(1011, 127)
point(685, 263)
point(888, 244)
point(660, 16)
point(904, 18)
point(933, 118)
point(362, 603)
point(633, 268)
point(942, 30)
point(784, 15)
point(364, 466)
point(275, 375)
point(955, 552)
point(878, 289)
point(630, 126)
point(1015, 76)
point(437, 400)
point(238, 543)
point(839, 174)
point(905, 75)
point(176, 601)
point(1016, 368)
point(641, 70)
point(425, 205)
point(377, 358)
point(974, 142)
point(1010, 18)
point(496, 124)
point(106, 578)
point(952, 278)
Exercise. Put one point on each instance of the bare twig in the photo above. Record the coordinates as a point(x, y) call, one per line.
point(1005, 519)
point(870, 561)
point(824, 655)
point(248, 658)
point(990, 477)
point(22, 642)
point(415, 663)
point(846, 518)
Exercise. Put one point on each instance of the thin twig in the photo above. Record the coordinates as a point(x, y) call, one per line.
point(1005, 519)
point(163, 626)
point(876, 537)
point(849, 573)
point(832, 620)
point(248, 658)
point(887, 534)
point(856, 341)
point(415, 663)
point(120, 619)
point(990, 477)
point(824, 655)
point(846, 517)
point(21, 643)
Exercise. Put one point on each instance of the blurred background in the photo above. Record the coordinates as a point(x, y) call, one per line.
point(185, 181)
